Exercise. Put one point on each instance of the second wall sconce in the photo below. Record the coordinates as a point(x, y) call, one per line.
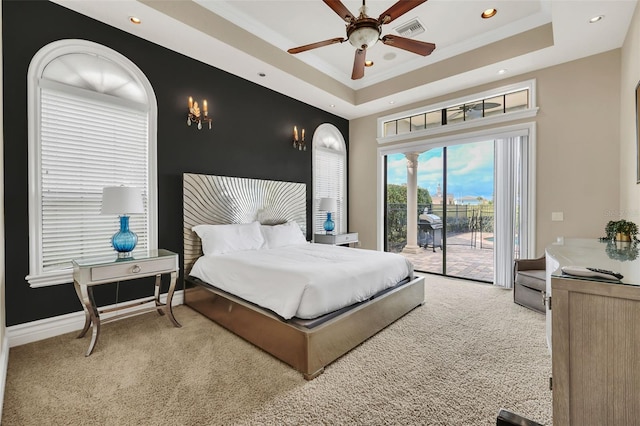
point(298, 143)
point(195, 116)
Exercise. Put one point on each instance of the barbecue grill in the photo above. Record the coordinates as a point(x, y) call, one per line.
point(432, 225)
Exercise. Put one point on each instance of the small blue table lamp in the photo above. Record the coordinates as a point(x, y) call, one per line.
point(122, 200)
point(329, 205)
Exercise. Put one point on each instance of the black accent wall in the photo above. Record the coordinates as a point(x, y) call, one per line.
point(251, 137)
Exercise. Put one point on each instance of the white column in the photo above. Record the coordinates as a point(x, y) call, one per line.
point(412, 203)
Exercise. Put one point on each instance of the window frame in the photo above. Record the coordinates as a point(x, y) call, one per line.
point(332, 133)
point(37, 276)
point(526, 113)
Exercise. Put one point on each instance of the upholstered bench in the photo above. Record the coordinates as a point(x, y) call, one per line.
point(530, 283)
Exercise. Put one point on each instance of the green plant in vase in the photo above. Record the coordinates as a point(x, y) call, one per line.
point(621, 230)
point(626, 230)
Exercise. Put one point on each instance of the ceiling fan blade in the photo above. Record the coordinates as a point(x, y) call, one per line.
point(489, 105)
point(397, 10)
point(340, 9)
point(480, 106)
point(358, 64)
point(420, 47)
point(306, 47)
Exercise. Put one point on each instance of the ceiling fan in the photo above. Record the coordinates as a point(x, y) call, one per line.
point(363, 32)
point(477, 107)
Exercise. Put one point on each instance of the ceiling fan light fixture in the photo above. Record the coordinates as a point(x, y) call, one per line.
point(489, 13)
point(364, 33)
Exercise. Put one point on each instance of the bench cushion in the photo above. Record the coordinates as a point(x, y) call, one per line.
point(534, 278)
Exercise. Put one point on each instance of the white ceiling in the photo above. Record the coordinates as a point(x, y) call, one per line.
point(250, 37)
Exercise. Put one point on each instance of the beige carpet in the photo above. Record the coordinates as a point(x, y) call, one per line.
point(454, 361)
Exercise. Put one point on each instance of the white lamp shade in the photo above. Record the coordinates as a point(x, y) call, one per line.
point(328, 204)
point(121, 200)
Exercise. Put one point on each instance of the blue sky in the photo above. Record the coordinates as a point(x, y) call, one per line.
point(470, 169)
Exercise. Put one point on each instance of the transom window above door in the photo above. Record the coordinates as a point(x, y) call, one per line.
point(499, 105)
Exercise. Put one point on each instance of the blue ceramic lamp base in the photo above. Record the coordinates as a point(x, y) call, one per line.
point(329, 225)
point(124, 241)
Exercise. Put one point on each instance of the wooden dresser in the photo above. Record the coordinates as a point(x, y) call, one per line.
point(594, 335)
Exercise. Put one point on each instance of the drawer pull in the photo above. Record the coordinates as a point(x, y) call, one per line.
point(136, 269)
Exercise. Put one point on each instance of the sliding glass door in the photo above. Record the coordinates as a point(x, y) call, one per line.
point(459, 188)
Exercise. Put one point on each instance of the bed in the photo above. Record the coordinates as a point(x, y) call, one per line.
point(283, 321)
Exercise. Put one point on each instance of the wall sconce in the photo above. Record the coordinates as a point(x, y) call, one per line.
point(299, 144)
point(194, 115)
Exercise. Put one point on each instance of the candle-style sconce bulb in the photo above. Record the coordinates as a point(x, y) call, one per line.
point(194, 115)
point(298, 142)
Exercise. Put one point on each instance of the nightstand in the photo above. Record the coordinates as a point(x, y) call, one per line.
point(92, 271)
point(336, 239)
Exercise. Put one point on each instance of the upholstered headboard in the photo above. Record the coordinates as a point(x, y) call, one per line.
point(209, 199)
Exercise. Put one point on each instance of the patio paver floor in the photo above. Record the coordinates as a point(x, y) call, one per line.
point(463, 259)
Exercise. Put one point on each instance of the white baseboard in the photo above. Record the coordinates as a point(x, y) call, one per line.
point(4, 365)
point(21, 334)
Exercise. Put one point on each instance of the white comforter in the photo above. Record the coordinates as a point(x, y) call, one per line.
point(306, 280)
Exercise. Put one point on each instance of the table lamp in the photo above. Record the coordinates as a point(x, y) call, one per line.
point(122, 200)
point(329, 205)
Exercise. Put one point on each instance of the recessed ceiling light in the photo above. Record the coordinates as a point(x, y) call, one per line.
point(368, 63)
point(389, 56)
point(332, 105)
point(502, 71)
point(596, 19)
point(261, 74)
point(392, 102)
point(135, 20)
point(488, 13)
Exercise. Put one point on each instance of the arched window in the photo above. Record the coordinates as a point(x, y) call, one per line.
point(92, 123)
point(329, 176)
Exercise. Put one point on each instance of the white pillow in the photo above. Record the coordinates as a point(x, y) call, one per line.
point(220, 239)
point(285, 234)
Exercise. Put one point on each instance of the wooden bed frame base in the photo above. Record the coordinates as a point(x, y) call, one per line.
point(306, 350)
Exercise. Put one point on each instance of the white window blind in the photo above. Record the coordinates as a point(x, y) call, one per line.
point(92, 123)
point(88, 143)
point(329, 181)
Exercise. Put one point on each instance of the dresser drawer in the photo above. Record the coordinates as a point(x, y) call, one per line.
point(346, 238)
point(132, 268)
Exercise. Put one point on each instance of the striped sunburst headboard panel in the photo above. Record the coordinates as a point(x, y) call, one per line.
point(215, 200)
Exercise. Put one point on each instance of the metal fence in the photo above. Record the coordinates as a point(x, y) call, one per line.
point(460, 218)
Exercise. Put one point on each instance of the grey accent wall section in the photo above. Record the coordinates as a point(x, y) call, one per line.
point(251, 138)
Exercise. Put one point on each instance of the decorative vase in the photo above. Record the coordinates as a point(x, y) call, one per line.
point(623, 237)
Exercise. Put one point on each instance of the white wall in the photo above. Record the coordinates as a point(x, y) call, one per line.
point(630, 75)
point(578, 153)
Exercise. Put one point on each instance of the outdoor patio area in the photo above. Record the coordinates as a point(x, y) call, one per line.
point(468, 256)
